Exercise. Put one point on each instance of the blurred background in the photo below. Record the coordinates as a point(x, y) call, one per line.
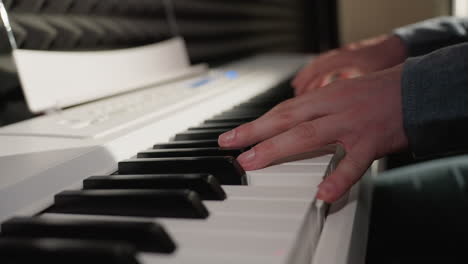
point(216, 31)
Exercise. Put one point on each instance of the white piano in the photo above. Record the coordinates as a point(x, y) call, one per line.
point(273, 218)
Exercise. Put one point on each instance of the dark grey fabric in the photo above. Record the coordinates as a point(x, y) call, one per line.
point(435, 86)
point(427, 36)
point(435, 101)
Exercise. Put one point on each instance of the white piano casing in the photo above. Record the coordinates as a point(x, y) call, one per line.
point(35, 164)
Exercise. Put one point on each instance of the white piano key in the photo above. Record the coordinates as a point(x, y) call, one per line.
point(291, 170)
point(227, 228)
point(322, 160)
point(286, 175)
point(270, 192)
point(219, 224)
point(286, 180)
point(258, 207)
point(211, 258)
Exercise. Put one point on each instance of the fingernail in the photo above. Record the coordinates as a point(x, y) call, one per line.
point(227, 137)
point(246, 157)
point(326, 190)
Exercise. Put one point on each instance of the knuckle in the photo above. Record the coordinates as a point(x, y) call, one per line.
point(285, 105)
point(305, 130)
point(283, 121)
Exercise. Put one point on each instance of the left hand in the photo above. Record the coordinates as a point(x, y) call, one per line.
point(363, 115)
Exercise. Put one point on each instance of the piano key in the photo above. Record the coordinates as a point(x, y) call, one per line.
point(321, 160)
point(222, 224)
point(205, 185)
point(267, 104)
point(288, 175)
point(58, 251)
point(189, 152)
point(231, 119)
point(226, 169)
point(296, 169)
point(197, 237)
point(237, 220)
point(144, 236)
point(235, 226)
point(154, 203)
point(303, 193)
point(227, 125)
point(242, 111)
point(237, 115)
point(199, 134)
point(212, 143)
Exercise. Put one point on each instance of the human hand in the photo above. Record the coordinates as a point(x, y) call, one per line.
point(363, 115)
point(350, 61)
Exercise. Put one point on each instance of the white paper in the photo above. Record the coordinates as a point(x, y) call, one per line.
point(53, 79)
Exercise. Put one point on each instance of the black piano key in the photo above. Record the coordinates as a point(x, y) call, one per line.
point(231, 119)
point(144, 236)
point(268, 104)
point(244, 111)
point(226, 169)
point(205, 185)
point(227, 126)
point(199, 134)
point(59, 251)
point(237, 114)
point(143, 203)
point(212, 143)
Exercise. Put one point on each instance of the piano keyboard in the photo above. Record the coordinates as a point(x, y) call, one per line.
point(182, 201)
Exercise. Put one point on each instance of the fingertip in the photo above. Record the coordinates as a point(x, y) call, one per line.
point(227, 139)
point(327, 192)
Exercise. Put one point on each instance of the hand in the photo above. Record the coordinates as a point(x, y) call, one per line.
point(363, 115)
point(353, 60)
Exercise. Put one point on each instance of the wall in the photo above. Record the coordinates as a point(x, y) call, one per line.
point(366, 18)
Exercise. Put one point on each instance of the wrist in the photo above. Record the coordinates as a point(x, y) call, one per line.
point(395, 49)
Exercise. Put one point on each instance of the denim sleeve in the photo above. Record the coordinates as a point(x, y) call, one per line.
point(435, 101)
point(427, 36)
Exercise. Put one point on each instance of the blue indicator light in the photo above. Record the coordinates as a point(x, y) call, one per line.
point(200, 82)
point(231, 75)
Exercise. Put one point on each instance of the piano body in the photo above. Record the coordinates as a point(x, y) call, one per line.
point(136, 176)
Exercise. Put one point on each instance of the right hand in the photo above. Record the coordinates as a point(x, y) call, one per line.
point(350, 61)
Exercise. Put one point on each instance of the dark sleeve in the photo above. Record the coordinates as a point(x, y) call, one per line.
point(427, 36)
point(435, 101)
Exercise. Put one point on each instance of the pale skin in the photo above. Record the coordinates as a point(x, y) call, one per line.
point(362, 114)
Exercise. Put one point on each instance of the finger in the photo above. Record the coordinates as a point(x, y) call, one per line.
point(348, 172)
point(320, 81)
point(320, 68)
point(309, 75)
point(281, 118)
point(318, 61)
point(302, 138)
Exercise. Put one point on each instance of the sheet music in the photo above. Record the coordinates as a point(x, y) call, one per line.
point(53, 79)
